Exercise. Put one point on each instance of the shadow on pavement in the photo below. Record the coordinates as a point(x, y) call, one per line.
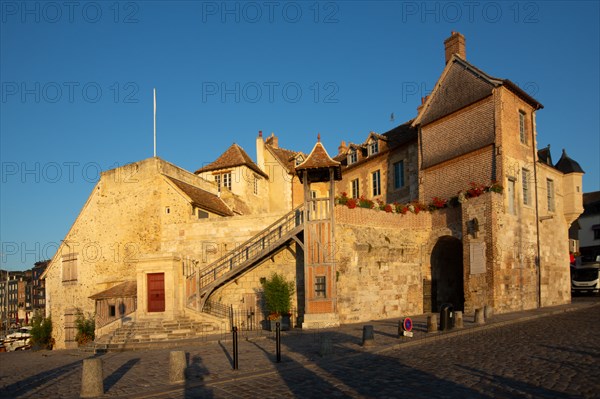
point(195, 374)
point(35, 381)
point(508, 387)
point(116, 375)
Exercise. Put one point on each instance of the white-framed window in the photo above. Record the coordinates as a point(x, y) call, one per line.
point(223, 180)
point(399, 174)
point(550, 194)
point(355, 188)
point(373, 147)
point(522, 129)
point(69, 268)
point(525, 184)
point(352, 157)
point(510, 192)
point(299, 160)
point(376, 178)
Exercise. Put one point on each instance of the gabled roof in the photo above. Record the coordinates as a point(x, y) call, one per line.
point(319, 159)
point(202, 198)
point(567, 165)
point(123, 290)
point(234, 156)
point(286, 157)
point(451, 93)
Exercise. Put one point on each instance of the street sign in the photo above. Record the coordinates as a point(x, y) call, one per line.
point(407, 333)
point(407, 324)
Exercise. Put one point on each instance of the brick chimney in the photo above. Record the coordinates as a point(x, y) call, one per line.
point(455, 44)
point(273, 140)
point(342, 148)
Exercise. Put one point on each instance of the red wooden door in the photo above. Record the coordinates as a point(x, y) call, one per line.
point(156, 292)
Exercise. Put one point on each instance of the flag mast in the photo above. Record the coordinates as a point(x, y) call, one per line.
point(155, 122)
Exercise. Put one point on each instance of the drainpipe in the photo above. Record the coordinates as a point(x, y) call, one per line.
point(537, 220)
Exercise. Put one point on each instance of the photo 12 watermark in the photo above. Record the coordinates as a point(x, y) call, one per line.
point(68, 92)
point(270, 92)
point(526, 12)
point(69, 12)
point(65, 172)
point(252, 12)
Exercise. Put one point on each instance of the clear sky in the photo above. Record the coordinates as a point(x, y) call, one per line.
point(77, 79)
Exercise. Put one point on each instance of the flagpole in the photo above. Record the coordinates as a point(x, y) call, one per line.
point(155, 122)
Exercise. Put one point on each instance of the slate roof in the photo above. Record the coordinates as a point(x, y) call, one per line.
point(234, 156)
point(567, 165)
point(544, 156)
point(123, 290)
point(202, 198)
point(452, 93)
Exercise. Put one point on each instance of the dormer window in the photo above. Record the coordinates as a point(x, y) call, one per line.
point(299, 160)
point(352, 157)
point(223, 180)
point(373, 147)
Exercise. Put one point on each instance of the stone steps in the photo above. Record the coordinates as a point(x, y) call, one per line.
point(153, 334)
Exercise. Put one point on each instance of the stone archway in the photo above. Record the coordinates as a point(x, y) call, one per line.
point(447, 281)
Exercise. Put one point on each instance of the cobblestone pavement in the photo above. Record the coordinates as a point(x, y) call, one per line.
point(553, 353)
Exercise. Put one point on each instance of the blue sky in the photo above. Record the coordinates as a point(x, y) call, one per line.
point(77, 79)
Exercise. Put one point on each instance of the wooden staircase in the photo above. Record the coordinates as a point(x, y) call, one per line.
point(201, 283)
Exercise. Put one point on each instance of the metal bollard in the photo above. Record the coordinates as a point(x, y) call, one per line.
point(278, 341)
point(368, 337)
point(92, 383)
point(235, 348)
point(432, 323)
point(177, 365)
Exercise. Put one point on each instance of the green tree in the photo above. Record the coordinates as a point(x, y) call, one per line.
point(41, 331)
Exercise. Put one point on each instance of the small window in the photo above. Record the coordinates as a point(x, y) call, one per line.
point(352, 157)
point(167, 210)
point(376, 183)
point(550, 194)
point(112, 311)
point(522, 129)
point(320, 287)
point(201, 214)
point(373, 147)
point(255, 188)
point(355, 189)
point(399, 174)
point(227, 180)
point(525, 183)
point(597, 234)
point(511, 196)
point(218, 181)
point(299, 160)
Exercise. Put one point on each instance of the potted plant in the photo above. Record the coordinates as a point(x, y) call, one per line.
point(278, 300)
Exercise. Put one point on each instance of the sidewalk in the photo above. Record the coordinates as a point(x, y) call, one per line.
point(143, 374)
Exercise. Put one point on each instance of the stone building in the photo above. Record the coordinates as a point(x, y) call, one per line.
point(467, 211)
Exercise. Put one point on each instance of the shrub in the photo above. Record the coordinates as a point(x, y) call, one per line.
point(278, 295)
point(41, 331)
point(85, 328)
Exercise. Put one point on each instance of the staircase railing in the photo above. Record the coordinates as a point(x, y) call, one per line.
point(253, 249)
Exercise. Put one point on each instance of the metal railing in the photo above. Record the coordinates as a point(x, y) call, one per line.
point(253, 249)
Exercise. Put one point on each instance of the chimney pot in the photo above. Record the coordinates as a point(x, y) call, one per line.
point(260, 133)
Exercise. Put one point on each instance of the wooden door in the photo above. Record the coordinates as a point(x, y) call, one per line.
point(156, 292)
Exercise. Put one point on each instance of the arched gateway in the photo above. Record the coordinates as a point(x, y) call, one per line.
point(447, 282)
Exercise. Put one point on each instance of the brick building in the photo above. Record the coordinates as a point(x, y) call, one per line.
point(468, 212)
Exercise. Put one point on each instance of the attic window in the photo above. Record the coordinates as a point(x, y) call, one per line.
point(352, 157)
point(373, 147)
point(299, 160)
point(201, 214)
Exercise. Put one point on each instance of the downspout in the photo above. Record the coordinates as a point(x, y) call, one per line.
point(537, 220)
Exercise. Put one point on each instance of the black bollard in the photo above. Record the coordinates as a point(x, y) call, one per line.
point(278, 341)
point(235, 349)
